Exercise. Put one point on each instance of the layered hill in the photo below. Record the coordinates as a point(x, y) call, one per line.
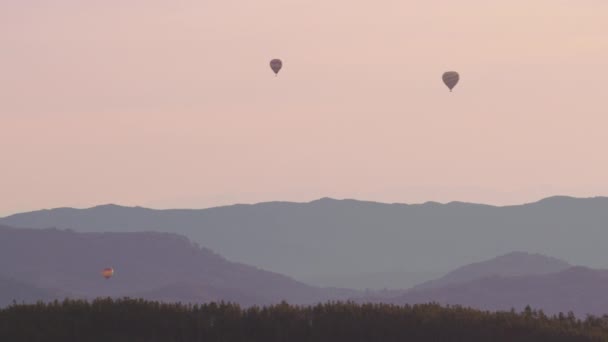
point(150, 265)
point(350, 238)
point(577, 289)
point(508, 265)
point(512, 281)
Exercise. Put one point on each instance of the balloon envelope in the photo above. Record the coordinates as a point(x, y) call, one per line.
point(276, 65)
point(107, 272)
point(451, 79)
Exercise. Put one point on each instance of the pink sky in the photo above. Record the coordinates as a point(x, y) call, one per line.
point(173, 104)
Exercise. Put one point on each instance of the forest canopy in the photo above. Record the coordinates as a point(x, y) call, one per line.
point(136, 320)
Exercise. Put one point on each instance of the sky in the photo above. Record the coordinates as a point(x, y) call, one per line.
point(172, 103)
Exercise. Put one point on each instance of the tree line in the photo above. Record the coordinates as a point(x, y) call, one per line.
point(137, 320)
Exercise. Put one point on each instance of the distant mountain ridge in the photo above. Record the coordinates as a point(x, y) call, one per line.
point(578, 289)
point(509, 265)
point(170, 268)
point(308, 240)
point(511, 281)
point(153, 265)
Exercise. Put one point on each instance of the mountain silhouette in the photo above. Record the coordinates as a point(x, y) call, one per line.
point(157, 265)
point(512, 264)
point(350, 238)
point(577, 289)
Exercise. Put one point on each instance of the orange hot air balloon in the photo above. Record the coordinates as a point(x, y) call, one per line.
point(107, 272)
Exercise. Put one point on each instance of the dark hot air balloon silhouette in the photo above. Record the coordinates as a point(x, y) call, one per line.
point(276, 65)
point(107, 272)
point(451, 79)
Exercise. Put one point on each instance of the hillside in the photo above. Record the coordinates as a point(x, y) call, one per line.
point(19, 292)
point(154, 265)
point(512, 264)
point(350, 238)
point(577, 289)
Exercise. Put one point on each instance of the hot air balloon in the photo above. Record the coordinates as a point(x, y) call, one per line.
point(276, 65)
point(107, 272)
point(451, 79)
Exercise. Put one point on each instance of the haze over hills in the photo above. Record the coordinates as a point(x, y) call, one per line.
point(508, 265)
point(394, 280)
point(350, 238)
point(511, 281)
point(577, 289)
point(150, 265)
point(191, 292)
point(46, 264)
point(15, 291)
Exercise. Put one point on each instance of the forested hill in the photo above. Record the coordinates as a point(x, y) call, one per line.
point(136, 320)
point(508, 265)
point(578, 289)
point(157, 266)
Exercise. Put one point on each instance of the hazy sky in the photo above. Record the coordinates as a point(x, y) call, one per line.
point(172, 103)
